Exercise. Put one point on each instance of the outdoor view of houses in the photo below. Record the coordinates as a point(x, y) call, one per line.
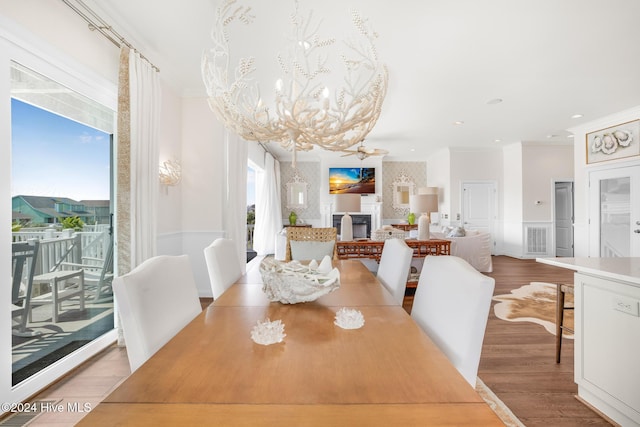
point(34, 211)
point(60, 184)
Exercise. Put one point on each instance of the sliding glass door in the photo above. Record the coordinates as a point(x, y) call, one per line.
point(57, 174)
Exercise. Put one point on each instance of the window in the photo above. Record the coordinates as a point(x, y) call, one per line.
point(61, 193)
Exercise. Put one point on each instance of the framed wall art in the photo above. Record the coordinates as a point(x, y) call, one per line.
point(615, 142)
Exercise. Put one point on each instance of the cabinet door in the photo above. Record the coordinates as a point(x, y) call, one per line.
point(608, 341)
point(615, 212)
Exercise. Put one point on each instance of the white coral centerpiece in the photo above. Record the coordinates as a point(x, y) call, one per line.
point(348, 318)
point(293, 282)
point(268, 332)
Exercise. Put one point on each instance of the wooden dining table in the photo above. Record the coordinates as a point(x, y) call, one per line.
point(388, 372)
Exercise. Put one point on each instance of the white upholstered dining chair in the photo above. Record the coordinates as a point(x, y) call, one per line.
point(223, 265)
point(451, 305)
point(155, 301)
point(395, 263)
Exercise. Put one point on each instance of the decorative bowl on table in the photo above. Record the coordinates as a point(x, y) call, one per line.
point(293, 282)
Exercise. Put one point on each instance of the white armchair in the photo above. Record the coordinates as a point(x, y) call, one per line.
point(474, 247)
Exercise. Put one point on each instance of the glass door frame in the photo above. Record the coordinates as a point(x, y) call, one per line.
point(21, 48)
point(632, 171)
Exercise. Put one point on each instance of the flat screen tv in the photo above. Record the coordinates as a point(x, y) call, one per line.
point(352, 180)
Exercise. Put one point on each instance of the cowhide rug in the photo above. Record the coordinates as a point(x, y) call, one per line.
point(535, 302)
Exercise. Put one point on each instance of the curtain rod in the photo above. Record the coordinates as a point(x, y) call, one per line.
point(96, 23)
point(266, 149)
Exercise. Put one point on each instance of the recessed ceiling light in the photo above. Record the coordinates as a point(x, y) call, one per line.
point(576, 116)
point(553, 135)
point(494, 101)
point(570, 135)
point(412, 149)
point(497, 140)
point(458, 122)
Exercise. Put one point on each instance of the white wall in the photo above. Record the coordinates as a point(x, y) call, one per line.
point(170, 139)
point(64, 32)
point(203, 185)
point(439, 175)
point(542, 165)
point(512, 200)
point(203, 167)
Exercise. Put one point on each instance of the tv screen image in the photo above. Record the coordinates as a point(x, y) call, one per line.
point(352, 180)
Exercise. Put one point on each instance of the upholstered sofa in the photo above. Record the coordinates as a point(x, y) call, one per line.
point(474, 247)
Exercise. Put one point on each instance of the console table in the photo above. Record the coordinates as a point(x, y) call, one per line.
point(372, 249)
point(405, 227)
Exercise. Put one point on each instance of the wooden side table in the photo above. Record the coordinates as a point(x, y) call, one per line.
point(372, 249)
point(405, 227)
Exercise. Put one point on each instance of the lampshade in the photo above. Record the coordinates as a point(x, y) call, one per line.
point(428, 190)
point(422, 203)
point(347, 203)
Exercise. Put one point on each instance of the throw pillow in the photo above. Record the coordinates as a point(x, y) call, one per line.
point(457, 232)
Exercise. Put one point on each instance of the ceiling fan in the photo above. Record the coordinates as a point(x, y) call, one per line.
point(362, 152)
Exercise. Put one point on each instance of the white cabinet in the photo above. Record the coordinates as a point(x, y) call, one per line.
point(607, 350)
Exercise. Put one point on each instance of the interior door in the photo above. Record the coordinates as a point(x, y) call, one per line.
point(564, 218)
point(478, 206)
point(614, 197)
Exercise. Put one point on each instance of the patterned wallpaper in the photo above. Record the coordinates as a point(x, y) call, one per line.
point(417, 171)
point(309, 172)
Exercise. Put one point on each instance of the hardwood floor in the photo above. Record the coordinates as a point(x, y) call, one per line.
point(518, 364)
point(518, 358)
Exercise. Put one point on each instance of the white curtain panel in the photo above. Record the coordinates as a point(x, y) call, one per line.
point(144, 84)
point(268, 207)
point(234, 212)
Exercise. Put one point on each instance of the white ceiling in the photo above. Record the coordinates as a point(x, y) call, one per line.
point(546, 59)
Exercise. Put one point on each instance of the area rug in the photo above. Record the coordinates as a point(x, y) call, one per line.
point(535, 302)
point(497, 405)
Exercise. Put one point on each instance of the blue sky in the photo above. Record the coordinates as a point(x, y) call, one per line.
point(54, 156)
point(251, 186)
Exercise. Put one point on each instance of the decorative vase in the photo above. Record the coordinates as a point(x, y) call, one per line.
point(411, 218)
point(293, 218)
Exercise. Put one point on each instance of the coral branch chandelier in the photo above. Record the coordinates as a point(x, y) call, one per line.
point(306, 112)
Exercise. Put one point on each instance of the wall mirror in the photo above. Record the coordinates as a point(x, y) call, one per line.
point(297, 192)
point(402, 188)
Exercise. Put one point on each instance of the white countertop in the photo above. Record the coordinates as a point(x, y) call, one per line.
point(623, 269)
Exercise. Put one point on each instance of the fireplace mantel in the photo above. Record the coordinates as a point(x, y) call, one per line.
point(367, 208)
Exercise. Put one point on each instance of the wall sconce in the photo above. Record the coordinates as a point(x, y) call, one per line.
point(170, 173)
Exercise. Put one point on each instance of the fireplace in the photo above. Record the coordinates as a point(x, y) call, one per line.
point(361, 225)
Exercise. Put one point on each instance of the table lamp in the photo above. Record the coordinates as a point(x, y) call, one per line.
point(423, 203)
point(347, 203)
